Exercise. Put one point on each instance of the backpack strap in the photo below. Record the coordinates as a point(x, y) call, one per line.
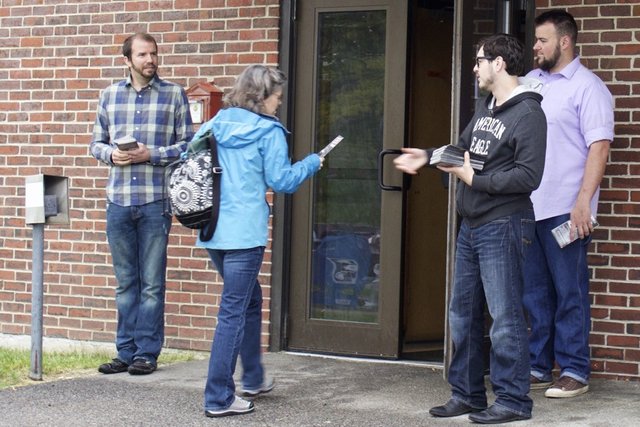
point(206, 233)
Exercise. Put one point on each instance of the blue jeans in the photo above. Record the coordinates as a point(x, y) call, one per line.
point(238, 328)
point(556, 298)
point(138, 237)
point(488, 268)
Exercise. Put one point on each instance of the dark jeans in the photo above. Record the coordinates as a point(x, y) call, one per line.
point(138, 237)
point(488, 268)
point(556, 298)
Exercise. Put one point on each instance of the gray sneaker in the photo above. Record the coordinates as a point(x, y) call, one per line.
point(238, 407)
point(267, 385)
point(538, 384)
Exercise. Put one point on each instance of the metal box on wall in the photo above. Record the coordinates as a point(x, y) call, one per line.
point(46, 199)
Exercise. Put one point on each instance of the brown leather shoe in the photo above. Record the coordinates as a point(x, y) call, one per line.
point(566, 387)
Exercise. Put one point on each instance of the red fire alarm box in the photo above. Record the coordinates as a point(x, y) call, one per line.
point(205, 100)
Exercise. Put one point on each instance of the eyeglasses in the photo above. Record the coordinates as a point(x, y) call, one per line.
point(479, 58)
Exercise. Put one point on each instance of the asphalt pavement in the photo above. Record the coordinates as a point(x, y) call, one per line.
point(310, 391)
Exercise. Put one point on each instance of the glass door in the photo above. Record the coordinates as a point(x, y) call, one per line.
point(346, 232)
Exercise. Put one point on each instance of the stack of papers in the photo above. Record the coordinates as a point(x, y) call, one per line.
point(452, 155)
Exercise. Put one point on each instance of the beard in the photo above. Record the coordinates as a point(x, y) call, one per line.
point(146, 72)
point(485, 84)
point(547, 64)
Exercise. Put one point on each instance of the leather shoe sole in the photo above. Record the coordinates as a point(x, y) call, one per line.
point(452, 408)
point(496, 415)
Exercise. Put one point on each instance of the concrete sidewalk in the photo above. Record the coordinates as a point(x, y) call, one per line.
point(310, 391)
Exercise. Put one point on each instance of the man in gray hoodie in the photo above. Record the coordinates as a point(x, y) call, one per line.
point(508, 132)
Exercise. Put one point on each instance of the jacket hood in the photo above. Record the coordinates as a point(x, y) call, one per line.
point(528, 88)
point(237, 127)
point(528, 84)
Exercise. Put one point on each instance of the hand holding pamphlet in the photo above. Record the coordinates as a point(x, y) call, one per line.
point(562, 233)
point(326, 150)
point(126, 143)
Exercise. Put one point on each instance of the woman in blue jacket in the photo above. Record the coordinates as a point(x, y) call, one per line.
point(253, 154)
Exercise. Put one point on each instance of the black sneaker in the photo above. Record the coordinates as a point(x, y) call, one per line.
point(114, 367)
point(141, 367)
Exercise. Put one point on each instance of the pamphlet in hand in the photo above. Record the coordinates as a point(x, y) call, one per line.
point(126, 143)
point(452, 155)
point(562, 233)
point(322, 153)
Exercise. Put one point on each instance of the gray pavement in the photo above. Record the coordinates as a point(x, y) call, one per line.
point(310, 391)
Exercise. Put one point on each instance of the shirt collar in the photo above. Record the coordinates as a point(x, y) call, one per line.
point(153, 82)
point(568, 71)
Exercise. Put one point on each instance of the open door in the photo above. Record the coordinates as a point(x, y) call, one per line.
point(346, 231)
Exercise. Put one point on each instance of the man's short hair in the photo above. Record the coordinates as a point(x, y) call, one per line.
point(126, 46)
point(563, 22)
point(509, 48)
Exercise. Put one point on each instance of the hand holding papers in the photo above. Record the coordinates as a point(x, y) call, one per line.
point(565, 235)
point(126, 143)
point(322, 153)
point(452, 155)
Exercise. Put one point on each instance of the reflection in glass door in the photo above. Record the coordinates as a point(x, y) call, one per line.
point(350, 70)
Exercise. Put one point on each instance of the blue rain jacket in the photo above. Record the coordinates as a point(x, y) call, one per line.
point(253, 154)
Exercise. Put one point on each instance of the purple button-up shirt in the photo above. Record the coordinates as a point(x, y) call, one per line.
point(579, 110)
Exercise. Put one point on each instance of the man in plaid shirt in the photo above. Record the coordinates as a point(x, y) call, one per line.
point(156, 114)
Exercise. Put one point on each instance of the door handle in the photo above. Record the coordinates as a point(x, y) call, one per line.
point(381, 156)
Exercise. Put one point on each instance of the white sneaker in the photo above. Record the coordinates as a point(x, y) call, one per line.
point(267, 385)
point(238, 407)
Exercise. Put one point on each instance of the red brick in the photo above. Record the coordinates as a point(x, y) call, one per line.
point(619, 314)
point(623, 341)
point(608, 327)
point(621, 368)
point(611, 300)
point(633, 329)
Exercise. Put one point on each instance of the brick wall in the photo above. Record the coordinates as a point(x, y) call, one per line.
point(608, 42)
point(55, 58)
point(57, 55)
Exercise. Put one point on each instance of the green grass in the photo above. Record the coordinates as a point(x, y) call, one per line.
point(15, 364)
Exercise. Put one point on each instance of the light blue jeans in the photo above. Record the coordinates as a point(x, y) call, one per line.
point(138, 237)
point(488, 268)
point(238, 328)
point(557, 300)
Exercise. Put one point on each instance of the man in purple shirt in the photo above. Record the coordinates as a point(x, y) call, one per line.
point(579, 110)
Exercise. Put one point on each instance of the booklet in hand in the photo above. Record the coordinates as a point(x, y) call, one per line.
point(126, 143)
point(452, 155)
point(563, 233)
point(322, 153)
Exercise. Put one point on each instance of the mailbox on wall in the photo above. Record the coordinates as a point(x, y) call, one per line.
point(46, 199)
point(205, 100)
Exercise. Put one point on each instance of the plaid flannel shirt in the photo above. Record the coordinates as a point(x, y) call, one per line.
point(157, 116)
